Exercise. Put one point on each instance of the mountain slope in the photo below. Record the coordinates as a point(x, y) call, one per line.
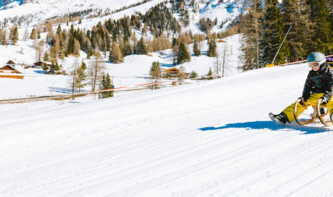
point(210, 139)
point(91, 11)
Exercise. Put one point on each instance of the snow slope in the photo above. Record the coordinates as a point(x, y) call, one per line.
point(44, 10)
point(50, 8)
point(209, 139)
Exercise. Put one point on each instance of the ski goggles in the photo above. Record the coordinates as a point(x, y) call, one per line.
point(313, 64)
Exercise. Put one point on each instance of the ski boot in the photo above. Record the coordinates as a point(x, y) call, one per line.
point(281, 118)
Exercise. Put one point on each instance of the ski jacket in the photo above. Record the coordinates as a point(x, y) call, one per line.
point(320, 81)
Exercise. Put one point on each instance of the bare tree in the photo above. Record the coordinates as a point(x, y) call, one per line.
point(26, 35)
point(181, 75)
point(96, 69)
point(217, 62)
point(224, 56)
point(39, 46)
point(74, 76)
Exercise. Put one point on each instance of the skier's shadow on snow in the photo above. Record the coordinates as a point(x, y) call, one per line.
point(270, 125)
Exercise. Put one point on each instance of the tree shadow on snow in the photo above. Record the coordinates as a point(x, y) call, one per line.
point(167, 65)
point(270, 125)
point(40, 72)
point(64, 90)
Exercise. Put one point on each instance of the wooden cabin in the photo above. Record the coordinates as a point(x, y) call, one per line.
point(9, 71)
point(172, 71)
point(10, 62)
point(39, 64)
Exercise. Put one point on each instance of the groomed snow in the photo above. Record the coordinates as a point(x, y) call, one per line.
point(207, 139)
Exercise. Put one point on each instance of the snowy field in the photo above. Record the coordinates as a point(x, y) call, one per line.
point(207, 139)
point(134, 70)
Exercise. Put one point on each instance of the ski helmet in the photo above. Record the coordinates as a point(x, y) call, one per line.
point(316, 57)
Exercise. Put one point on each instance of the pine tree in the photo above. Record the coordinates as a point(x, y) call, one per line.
point(134, 42)
point(83, 65)
point(46, 56)
point(71, 44)
point(77, 48)
point(211, 48)
point(196, 50)
point(51, 70)
point(45, 67)
point(115, 54)
point(13, 34)
point(121, 46)
point(89, 49)
point(50, 38)
point(141, 48)
point(330, 8)
point(56, 67)
point(193, 74)
point(127, 49)
point(323, 38)
point(80, 77)
point(59, 29)
point(273, 35)
point(33, 34)
point(183, 55)
point(55, 49)
point(297, 16)
point(251, 31)
point(105, 85)
point(155, 72)
point(175, 50)
point(3, 37)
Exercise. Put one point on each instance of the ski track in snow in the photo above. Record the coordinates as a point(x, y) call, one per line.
point(208, 139)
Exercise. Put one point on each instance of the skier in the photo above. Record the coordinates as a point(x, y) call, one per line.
point(318, 85)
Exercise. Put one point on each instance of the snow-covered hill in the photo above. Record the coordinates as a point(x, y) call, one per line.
point(210, 139)
point(43, 10)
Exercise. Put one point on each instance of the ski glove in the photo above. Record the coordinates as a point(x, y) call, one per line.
point(324, 100)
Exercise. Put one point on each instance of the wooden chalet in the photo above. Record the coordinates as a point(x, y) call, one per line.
point(9, 71)
point(39, 64)
point(172, 71)
point(10, 62)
